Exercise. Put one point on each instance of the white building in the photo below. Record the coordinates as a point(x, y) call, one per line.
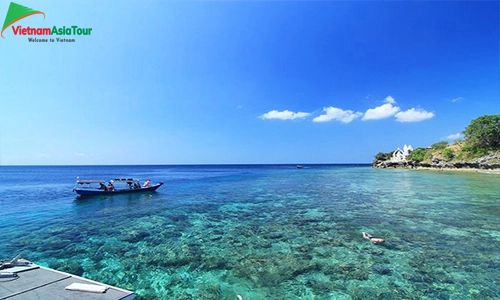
point(400, 155)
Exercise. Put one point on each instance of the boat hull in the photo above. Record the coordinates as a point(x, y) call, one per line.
point(98, 192)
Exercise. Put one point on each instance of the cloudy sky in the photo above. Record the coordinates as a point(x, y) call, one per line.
point(210, 82)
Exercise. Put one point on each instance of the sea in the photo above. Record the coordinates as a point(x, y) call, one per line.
point(262, 231)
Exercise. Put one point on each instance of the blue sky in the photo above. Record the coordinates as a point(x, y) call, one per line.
point(175, 82)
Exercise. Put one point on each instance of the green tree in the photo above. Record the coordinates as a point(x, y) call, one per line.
point(418, 154)
point(440, 145)
point(383, 156)
point(380, 156)
point(448, 154)
point(483, 133)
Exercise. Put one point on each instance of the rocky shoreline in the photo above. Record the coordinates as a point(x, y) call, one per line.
point(490, 162)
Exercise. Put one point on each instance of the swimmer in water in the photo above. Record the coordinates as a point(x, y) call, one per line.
point(373, 239)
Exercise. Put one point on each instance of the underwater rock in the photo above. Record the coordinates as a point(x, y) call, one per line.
point(178, 218)
point(212, 263)
point(307, 268)
point(376, 251)
point(271, 279)
point(319, 286)
point(364, 293)
point(215, 237)
point(390, 296)
point(70, 266)
point(331, 241)
point(186, 295)
point(353, 272)
point(274, 236)
point(266, 245)
point(134, 236)
point(171, 233)
point(270, 271)
point(215, 218)
point(311, 220)
point(329, 270)
point(210, 291)
point(147, 295)
point(54, 244)
point(217, 232)
point(170, 259)
point(381, 269)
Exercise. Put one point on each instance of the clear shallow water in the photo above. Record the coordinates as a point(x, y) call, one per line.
point(264, 232)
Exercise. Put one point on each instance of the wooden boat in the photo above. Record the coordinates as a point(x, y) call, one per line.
point(116, 186)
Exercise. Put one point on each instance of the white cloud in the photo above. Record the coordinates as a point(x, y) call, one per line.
point(386, 110)
point(284, 115)
point(413, 115)
point(457, 99)
point(454, 137)
point(333, 113)
point(390, 99)
point(383, 111)
point(79, 154)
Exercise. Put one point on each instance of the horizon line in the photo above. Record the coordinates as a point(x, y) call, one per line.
point(189, 164)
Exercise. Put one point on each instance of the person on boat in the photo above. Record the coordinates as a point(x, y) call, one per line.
point(102, 186)
point(146, 184)
point(110, 186)
point(136, 186)
point(373, 239)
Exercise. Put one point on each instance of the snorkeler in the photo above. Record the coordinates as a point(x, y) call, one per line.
point(373, 239)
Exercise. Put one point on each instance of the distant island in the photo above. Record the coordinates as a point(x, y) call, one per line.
point(478, 150)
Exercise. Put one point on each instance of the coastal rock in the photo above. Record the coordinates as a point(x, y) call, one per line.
point(489, 162)
point(381, 269)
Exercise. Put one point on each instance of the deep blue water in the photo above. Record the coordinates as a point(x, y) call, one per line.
point(263, 232)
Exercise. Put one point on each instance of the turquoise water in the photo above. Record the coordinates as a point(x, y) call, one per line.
point(263, 232)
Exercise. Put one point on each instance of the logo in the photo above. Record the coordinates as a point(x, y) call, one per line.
point(18, 12)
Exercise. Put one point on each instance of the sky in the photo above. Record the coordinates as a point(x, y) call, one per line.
point(244, 82)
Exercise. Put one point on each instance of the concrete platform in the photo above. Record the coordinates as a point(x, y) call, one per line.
point(30, 282)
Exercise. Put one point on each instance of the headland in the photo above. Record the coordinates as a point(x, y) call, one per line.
point(486, 164)
point(478, 151)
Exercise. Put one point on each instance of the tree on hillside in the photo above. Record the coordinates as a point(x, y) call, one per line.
point(448, 154)
point(483, 133)
point(439, 145)
point(418, 154)
point(383, 156)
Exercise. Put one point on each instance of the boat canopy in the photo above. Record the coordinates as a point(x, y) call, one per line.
point(89, 181)
point(80, 181)
point(127, 180)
